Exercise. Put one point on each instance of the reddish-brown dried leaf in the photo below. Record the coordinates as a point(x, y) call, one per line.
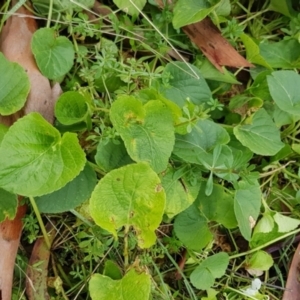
point(37, 271)
point(215, 47)
point(10, 233)
point(206, 36)
point(292, 288)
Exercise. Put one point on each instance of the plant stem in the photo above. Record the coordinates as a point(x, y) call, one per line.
point(126, 259)
point(265, 245)
point(39, 218)
point(49, 13)
point(189, 288)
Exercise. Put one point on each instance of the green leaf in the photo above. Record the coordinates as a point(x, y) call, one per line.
point(194, 146)
point(253, 51)
point(211, 294)
point(271, 226)
point(14, 86)
point(218, 206)
point(3, 131)
point(180, 194)
point(71, 195)
point(283, 54)
point(112, 270)
point(8, 205)
point(59, 6)
point(130, 196)
point(132, 286)
point(191, 228)
point(71, 108)
point(261, 134)
point(259, 261)
point(282, 88)
point(285, 224)
point(191, 11)
point(147, 130)
point(110, 155)
point(247, 202)
point(54, 55)
point(210, 72)
point(34, 158)
point(284, 7)
point(185, 82)
point(131, 7)
point(213, 267)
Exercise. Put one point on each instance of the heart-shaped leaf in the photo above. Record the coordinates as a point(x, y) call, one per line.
point(14, 86)
point(131, 286)
point(54, 55)
point(34, 158)
point(261, 136)
point(131, 196)
point(147, 130)
point(213, 267)
point(71, 108)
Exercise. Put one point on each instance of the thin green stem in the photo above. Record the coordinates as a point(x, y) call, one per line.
point(39, 218)
point(50, 13)
point(189, 288)
point(265, 245)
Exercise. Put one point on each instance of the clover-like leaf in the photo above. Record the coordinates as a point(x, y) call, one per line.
point(34, 158)
point(132, 196)
point(132, 286)
point(54, 55)
point(147, 130)
point(14, 86)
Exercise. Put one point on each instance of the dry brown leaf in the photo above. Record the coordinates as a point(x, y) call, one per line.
point(292, 288)
point(10, 233)
point(215, 47)
point(36, 279)
point(206, 36)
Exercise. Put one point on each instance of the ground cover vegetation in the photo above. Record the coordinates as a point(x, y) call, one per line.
point(164, 174)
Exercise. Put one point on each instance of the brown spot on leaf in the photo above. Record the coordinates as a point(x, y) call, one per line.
point(158, 188)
